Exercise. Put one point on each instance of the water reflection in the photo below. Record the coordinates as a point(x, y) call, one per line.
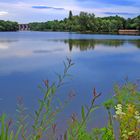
point(27, 58)
point(135, 43)
point(18, 48)
point(48, 51)
point(84, 45)
point(4, 44)
point(36, 54)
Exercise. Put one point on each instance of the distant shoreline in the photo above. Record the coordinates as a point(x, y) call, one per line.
point(83, 23)
point(99, 33)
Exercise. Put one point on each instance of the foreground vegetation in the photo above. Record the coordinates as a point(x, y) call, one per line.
point(123, 116)
point(86, 22)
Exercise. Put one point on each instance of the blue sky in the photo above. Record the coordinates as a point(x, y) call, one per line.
point(25, 11)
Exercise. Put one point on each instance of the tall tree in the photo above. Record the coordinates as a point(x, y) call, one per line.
point(70, 15)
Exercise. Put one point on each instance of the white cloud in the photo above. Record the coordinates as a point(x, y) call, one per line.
point(115, 50)
point(23, 11)
point(3, 13)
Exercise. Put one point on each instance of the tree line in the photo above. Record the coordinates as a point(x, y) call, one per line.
point(87, 22)
point(8, 26)
point(84, 22)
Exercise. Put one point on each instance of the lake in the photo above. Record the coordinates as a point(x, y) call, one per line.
point(101, 61)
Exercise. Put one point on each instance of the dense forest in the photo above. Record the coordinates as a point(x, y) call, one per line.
point(8, 25)
point(86, 22)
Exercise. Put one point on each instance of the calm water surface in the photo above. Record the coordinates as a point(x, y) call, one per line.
point(27, 58)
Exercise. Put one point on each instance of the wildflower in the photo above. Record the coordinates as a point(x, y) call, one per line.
point(73, 116)
point(137, 113)
point(72, 94)
point(20, 100)
point(54, 128)
point(137, 116)
point(46, 82)
point(115, 116)
point(39, 135)
point(131, 133)
point(119, 106)
point(131, 108)
point(125, 135)
point(94, 92)
point(9, 123)
point(119, 111)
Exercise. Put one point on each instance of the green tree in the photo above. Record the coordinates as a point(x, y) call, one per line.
point(70, 15)
point(137, 22)
point(87, 22)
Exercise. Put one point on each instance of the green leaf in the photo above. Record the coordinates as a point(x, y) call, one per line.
point(11, 136)
point(6, 132)
point(48, 93)
point(17, 133)
point(65, 136)
point(53, 89)
point(36, 113)
point(94, 108)
point(41, 103)
point(3, 126)
point(83, 113)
